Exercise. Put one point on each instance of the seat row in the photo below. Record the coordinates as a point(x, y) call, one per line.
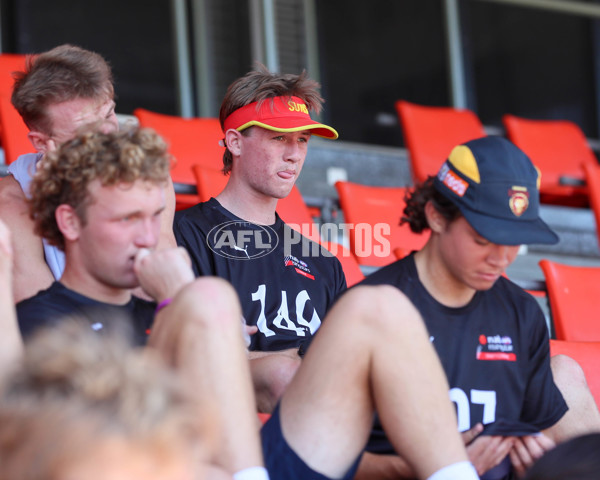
point(557, 147)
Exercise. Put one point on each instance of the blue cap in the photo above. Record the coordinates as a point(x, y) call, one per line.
point(496, 188)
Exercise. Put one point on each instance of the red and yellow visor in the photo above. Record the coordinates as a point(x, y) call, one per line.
point(280, 114)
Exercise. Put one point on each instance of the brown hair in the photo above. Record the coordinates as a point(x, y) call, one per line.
point(76, 387)
point(414, 212)
point(64, 175)
point(64, 73)
point(259, 85)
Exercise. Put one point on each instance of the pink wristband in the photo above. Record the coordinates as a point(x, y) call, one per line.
point(163, 304)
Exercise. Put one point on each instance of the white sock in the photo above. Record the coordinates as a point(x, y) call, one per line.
point(252, 473)
point(456, 471)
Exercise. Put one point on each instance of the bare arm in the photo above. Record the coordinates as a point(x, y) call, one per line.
point(30, 271)
point(11, 344)
point(485, 452)
point(383, 467)
point(271, 374)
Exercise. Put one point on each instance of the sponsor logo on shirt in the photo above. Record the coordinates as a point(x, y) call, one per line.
point(495, 347)
point(299, 265)
point(239, 240)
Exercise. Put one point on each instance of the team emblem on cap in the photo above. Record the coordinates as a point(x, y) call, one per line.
point(518, 200)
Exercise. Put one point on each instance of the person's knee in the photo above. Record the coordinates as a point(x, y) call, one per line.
point(380, 307)
point(210, 299)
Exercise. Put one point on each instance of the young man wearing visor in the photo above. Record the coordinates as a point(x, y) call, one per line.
point(285, 282)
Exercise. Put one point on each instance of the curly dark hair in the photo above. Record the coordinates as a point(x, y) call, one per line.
point(417, 198)
point(63, 176)
point(259, 85)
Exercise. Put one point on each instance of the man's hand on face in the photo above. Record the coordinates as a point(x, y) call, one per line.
point(162, 273)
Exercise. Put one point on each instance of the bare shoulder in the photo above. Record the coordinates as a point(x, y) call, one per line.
point(12, 199)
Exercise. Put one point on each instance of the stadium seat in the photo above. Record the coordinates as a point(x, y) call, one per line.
point(430, 133)
point(292, 209)
point(9, 63)
point(209, 181)
point(573, 293)
point(587, 354)
point(560, 150)
point(592, 178)
point(13, 132)
point(376, 237)
point(191, 141)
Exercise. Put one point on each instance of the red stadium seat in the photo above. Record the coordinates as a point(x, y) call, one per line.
point(13, 133)
point(430, 133)
point(191, 141)
point(573, 293)
point(592, 178)
point(14, 140)
point(376, 236)
point(560, 150)
point(9, 63)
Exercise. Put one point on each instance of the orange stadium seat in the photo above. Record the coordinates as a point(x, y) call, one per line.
point(9, 63)
point(13, 132)
point(430, 133)
point(587, 354)
point(209, 181)
point(592, 178)
point(376, 236)
point(292, 209)
point(191, 141)
point(560, 150)
point(573, 293)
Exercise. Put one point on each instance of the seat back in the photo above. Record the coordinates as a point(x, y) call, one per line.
point(560, 150)
point(191, 141)
point(592, 179)
point(13, 132)
point(573, 292)
point(374, 213)
point(430, 133)
point(587, 354)
point(9, 63)
point(209, 181)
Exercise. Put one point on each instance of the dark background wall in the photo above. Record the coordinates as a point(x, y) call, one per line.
point(134, 35)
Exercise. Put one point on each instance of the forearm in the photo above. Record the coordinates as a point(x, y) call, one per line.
point(383, 467)
point(11, 343)
point(291, 353)
point(271, 374)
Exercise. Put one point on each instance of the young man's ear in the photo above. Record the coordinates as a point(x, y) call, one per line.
point(41, 142)
point(436, 221)
point(233, 141)
point(68, 222)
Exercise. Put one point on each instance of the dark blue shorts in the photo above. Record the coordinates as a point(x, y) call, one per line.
point(282, 462)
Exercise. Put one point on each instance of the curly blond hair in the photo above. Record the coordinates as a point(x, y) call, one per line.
point(75, 389)
point(63, 176)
